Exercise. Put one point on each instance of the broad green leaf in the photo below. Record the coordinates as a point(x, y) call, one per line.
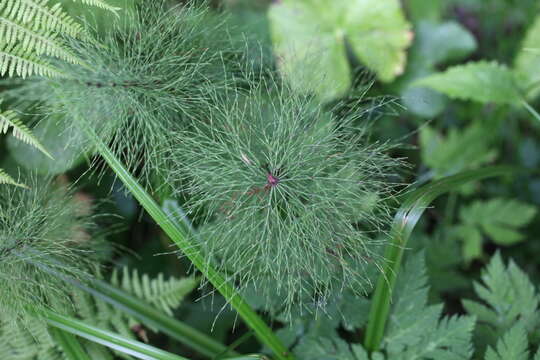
point(527, 62)
point(513, 345)
point(379, 35)
point(422, 9)
point(423, 101)
point(309, 41)
point(434, 43)
point(442, 42)
point(478, 81)
point(66, 152)
point(498, 218)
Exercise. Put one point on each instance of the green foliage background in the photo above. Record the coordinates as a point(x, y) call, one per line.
point(454, 82)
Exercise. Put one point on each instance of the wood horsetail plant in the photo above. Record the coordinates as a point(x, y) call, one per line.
point(289, 196)
point(44, 236)
point(292, 198)
point(143, 80)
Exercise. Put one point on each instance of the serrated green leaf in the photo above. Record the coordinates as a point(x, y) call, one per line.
point(472, 241)
point(379, 35)
point(434, 43)
point(527, 62)
point(508, 297)
point(499, 218)
point(513, 345)
point(478, 81)
point(414, 329)
point(309, 41)
point(100, 4)
point(28, 340)
point(457, 151)
point(314, 348)
point(405, 220)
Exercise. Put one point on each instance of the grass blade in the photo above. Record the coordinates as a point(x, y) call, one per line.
point(71, 347)
point(405, 220)
point(106, 338)
point(145, 313)
point(179, 236)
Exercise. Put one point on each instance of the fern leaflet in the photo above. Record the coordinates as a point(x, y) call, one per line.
point(8, 119)
point(165, 294)
point(5, 179)
point(101, 4)
point(37, 12)
point(32, 38)
point(14, 60)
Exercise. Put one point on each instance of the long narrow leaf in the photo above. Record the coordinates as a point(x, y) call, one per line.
point(405, 220)
point(107, 338)
point(182, 240)
point(71, 347)
point(148, 315)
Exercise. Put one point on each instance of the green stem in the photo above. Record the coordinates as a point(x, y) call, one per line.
point(106, 338)
point(71, 347)
point(148, 315)
point(181, 239)
point(405, 220)
point(530, 109)
point(450, 209)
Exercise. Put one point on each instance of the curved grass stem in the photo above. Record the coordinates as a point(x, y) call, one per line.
point(106, 338)
point(179, 236)
point(71, 347)
point(405, 220)
point(145, 313)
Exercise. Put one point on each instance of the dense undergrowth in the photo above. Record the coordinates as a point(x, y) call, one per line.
point(294, 179)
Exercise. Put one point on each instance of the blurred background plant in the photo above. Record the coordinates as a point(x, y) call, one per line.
point(465, 73)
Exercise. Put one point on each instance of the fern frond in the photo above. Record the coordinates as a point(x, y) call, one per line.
point(37, 12)
point(16, 61)
point(100, 4)
point(5, 179)
point(27, 341)
point(166, 294)
point(8, 119)
point(31, 38)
